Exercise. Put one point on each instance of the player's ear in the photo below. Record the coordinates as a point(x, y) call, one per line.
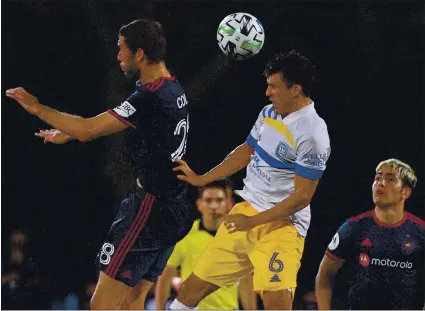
point(198, 205)
point(406, 192)
point(140, 55)
point(296, 90)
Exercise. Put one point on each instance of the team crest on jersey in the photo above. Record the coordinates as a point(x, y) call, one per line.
point(282, 150)
point(408, 247)
point(125, 109)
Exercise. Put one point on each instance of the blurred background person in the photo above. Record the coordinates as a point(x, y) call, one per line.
point(213, 204)
point(21, 284)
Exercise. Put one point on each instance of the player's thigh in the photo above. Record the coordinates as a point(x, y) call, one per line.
point(136, 275)
point(111, 294)
point(151, 265)
point(122, 257)
point(277, 258)
point(126, 228)
point(225, 259)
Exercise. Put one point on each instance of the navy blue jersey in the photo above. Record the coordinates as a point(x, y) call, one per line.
point(157, 114)
point(386, 262)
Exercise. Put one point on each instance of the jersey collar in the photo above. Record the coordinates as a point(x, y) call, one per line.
point(201, 227)
point(300, 113)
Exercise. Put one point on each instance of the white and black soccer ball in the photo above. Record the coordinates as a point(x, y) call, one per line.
point(240, 36)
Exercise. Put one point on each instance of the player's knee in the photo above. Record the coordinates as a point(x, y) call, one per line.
point(95, 303)
point(195, 288)
point(278, 300)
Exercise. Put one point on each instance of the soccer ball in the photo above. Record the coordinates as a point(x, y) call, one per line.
point(240, 36)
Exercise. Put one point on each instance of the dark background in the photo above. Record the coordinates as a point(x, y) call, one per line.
point(370, 60)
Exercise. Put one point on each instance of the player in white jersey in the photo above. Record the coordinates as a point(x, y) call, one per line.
point(285, 155)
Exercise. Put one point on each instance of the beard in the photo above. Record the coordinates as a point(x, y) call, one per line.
point(130, 69)
point(130, 74)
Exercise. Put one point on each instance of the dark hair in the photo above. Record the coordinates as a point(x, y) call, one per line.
point(147, 35)
point(295, 69)
point(221, 184)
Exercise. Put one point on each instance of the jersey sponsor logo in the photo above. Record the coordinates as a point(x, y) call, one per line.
point(315, 159)
point(126, 274)
point(182, 101)
point(334, 243)
point(256, 127)
point(365, 261)
point(275, 278)
point(281, 151)
point(125, 109)
point(256, 169)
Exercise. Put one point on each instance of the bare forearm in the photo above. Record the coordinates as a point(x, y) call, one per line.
point(162, 292)
point(74, 126)
point(234, 162)
point(324, 287)
point(282, 210)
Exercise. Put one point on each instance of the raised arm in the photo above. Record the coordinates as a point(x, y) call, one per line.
point(75, 126)
point(234, 162)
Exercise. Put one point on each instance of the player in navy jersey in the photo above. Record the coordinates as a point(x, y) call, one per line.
point(155, 217)
point(383, 248)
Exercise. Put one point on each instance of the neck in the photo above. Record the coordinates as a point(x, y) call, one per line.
point(212, 224)
point(390, 215)
point(151, 72)
point(300, 103)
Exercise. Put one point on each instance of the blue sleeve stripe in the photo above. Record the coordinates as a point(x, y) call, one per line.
point(308, 173)
point(264, 112)
point(272, 161)
point(251, 141)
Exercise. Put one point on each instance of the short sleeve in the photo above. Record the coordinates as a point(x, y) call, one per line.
point(341, 244)
point(255, 133)
point(131, 110)
point(312, 155)
point(177, 256)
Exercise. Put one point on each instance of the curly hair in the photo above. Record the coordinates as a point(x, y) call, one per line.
point(295, 69)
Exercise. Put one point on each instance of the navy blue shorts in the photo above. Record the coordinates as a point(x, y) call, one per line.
point(126, 254)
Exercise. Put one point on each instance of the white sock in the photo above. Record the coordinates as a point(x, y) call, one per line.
point(177, 305)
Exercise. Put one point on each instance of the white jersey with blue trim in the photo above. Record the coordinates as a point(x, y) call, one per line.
point(284, 147)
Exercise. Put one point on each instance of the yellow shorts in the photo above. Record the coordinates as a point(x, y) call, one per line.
point(272, 250)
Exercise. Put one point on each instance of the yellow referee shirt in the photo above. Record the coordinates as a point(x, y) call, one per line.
point(185, 254)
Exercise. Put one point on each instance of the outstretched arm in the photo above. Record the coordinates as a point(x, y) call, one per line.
point(81, 128)
point(234, 162)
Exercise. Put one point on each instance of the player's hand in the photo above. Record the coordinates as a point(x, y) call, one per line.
point(29, 102)
point(238, 222)
point(54, 136)
point(189, 176)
